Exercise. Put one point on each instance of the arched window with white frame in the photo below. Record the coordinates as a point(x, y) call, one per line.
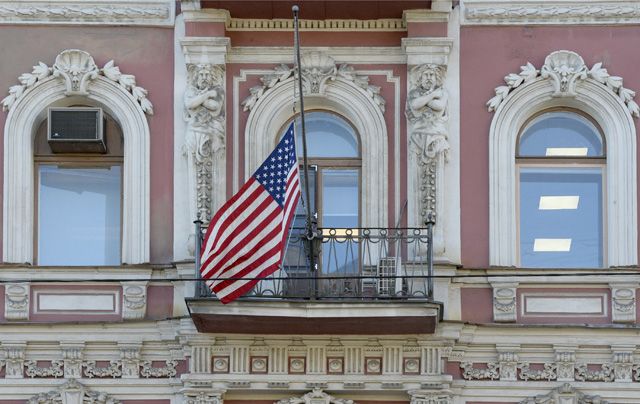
point(543, 124)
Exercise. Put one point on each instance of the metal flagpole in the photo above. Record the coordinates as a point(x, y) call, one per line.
point(310, 230)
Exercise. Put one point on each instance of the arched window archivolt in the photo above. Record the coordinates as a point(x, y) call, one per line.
point(589, 91)
point(58, 86)
point(339, 94)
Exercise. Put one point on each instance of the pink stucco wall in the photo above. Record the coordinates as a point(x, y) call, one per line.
point(146, 53)
point(487, 55)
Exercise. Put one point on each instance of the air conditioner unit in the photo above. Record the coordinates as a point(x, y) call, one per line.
point(76, 130)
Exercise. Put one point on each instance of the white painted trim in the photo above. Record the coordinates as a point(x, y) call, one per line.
point(22, 123)
point(612, 115)
point(273, 110)
point(154, 13)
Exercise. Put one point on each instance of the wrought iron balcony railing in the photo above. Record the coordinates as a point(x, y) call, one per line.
point(350, 264)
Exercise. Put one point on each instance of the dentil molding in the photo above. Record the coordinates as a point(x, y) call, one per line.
point(89, 12)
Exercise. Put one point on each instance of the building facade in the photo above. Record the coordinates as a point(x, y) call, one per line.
point(473, 183)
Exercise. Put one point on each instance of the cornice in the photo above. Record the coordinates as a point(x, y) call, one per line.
point(334, 25)
point(549, 12)
point(88, 12)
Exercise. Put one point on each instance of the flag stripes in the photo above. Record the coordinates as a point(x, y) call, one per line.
point(246, 237)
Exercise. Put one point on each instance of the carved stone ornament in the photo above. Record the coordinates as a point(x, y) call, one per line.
point(148, 370)
point(427, 111)
point(72, 392)
point(548, 13)
point(504, 302)
point(113, 370)
point(623, 298)
point(16, 302)
point(470, 373)
point(77, 70)
point(566, 70)
point(154, 12)
point(547, 373)
point(134, 299)
point(564, 394)
point(431, 397)
point(316, 396)
point(204, 398)
point(33, 370)
point(204, 113)
point(318, 70)
point(605, 374)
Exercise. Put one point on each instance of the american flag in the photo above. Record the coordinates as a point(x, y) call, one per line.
point(246, 237)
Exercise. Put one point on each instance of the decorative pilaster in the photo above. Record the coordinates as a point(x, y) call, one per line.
point(297, 355)
point(205, 138)
point(14, 359)
point(72, 356)
point(201, 359)
point(220, 359)
point(335, 357)
point(508, 359)
point(623, 302)
point(134, 300)
point(130, 355)
point(505, 308)
point(623, 362)
point(259, 352)
point(16, 302)
point(204, 397)
point(430, 396)
point(566, 362)
point(427, 113)
point(411, 357)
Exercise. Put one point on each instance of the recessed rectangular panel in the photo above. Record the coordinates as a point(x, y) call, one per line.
point(552, 244)
point(558, 202)
point(94, 302)
point(563, 305)
point(567, 151)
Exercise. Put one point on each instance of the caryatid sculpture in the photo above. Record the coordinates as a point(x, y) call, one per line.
point(205, 136)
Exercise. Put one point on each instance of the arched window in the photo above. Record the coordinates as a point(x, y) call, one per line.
point(78, 190)
point(544, 123)
point(334, 179)
point(560, 163)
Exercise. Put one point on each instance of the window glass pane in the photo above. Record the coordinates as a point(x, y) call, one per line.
point(79, 216)
point(340, 200)
point(561, 223)
point(560, 134)
point(328, 135)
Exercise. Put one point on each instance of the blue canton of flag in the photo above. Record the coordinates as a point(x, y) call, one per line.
point(272, 174)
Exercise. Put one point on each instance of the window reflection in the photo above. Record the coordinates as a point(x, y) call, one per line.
point(79, 216)
point(561, 217)
point(560, 134)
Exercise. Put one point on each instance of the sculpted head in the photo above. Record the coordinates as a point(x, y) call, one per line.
point(429, 76)
point(204, 76)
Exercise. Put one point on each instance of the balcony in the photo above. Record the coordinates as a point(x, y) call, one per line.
point(362, 281)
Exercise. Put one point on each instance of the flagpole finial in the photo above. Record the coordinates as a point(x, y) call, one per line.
point(295, 9)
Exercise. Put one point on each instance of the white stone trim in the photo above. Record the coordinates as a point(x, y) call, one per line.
point(22, 123)
point(158, 13)
point(617, 124)
point(550, 12)
point(274, 108)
